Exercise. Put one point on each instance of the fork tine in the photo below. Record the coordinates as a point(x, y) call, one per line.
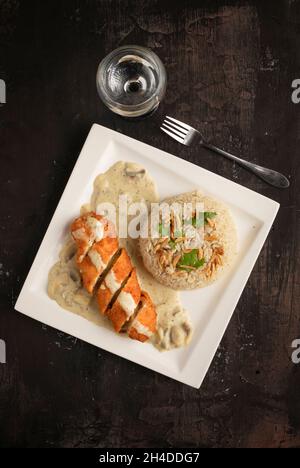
point(183, 131)
point(179, 139)
point(174, 130)
point(187, 127)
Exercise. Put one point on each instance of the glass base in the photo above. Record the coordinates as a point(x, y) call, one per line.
point(131, 81)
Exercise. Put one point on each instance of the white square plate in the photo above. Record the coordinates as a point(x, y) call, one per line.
point(210, 308)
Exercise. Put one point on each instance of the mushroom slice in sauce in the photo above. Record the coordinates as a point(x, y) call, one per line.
point(130, 173)
point(126, 303)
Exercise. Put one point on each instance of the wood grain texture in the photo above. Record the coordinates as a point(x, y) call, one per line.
point(230, 67)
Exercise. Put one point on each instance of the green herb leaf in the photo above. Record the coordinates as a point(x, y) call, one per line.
point(209, 215)
point(172, 244)
point(164, 231)
point(178, 233)
point(190, 259)
point(198, 222)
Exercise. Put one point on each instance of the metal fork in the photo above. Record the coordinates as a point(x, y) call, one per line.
point(187, 135)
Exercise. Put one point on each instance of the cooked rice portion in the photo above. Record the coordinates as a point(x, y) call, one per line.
point(197, 254)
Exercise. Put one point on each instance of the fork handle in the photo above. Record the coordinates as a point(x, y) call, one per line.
point(268, 175)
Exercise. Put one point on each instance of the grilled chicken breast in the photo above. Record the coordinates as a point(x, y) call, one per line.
point(100, 261)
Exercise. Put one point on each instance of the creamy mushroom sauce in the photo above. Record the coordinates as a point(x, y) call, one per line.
point(64, 283)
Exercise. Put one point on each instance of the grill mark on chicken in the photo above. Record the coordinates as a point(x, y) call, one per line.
point(117, 293)
point(107, 269)
point(114, 280)
point(144, 324)
point(126, 303)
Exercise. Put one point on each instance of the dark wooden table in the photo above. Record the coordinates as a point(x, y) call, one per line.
point(230, 67)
